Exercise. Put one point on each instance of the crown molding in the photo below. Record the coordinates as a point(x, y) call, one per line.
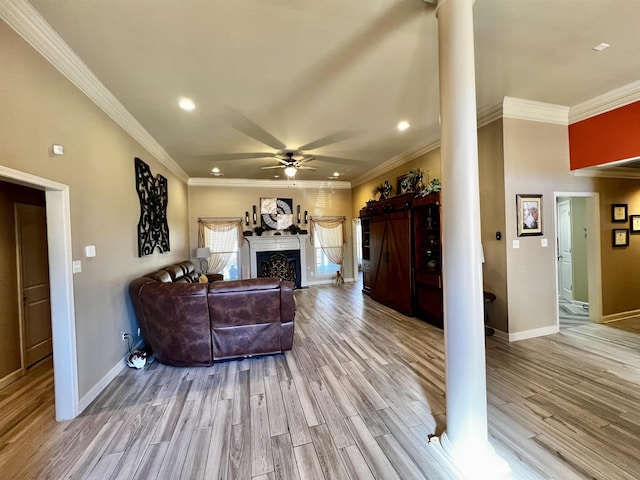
point(489, 113)
point(606, 102)
point(603, 172)
point(486, 115)
point(535, 111)
point(250, 183)
point(30, 25)
point(394, 162)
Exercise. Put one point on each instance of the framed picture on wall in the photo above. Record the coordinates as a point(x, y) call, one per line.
point(634, 223)
point(619, 212)
point(620, 237)
point(529, 213)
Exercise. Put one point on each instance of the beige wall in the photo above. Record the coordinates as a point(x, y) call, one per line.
point(429, 162)
point(492, 220)
point(536, 161)
point(225, 201)
point(620, 266)
point(39, 107)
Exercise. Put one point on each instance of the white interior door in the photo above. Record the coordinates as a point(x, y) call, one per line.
point(565, 270)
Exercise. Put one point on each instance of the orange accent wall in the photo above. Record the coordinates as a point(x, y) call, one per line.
point(605, 138)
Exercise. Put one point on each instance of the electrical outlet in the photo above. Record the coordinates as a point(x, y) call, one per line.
point(123, 336)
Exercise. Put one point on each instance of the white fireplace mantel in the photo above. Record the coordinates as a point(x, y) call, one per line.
point(275, 243)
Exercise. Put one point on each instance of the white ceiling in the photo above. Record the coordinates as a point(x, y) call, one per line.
point(334, 76)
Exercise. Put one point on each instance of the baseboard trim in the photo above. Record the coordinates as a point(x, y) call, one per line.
point(327, 281)
point(533, 333)
point(11, 377)
point(615, 317)
point(92, 394)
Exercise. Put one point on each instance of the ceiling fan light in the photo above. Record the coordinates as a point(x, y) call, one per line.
point(290, 171)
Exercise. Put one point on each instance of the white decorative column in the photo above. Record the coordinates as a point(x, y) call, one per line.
point(465, 443)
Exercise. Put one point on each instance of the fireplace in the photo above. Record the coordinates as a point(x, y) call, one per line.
point(282, 256)
point(282, 264)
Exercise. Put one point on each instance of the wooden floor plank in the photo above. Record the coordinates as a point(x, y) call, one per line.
point(358, 397)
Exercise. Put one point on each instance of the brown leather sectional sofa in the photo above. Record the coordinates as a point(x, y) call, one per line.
point(187, 323)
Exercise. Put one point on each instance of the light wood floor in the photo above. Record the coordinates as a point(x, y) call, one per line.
point(357, 398)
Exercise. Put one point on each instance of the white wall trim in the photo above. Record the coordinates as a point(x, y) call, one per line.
point(92, 394)
point(534, 332)
point(250, 183)
point(324, 281)
point(63, 320)
point(395, 162)
point(607, 172)
point(486, 115)
point(606, 102)
point(489, 113)
point(30, 25)
point(535, 111)
point(614, 317)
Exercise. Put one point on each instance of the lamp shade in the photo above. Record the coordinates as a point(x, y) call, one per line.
point(203, 253)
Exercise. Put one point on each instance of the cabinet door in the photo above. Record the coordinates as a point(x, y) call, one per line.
point(398, 243)
point(378, 264)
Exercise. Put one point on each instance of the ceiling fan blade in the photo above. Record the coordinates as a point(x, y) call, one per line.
point(253, 130)
point(330, 159)
point(302, 167)
point(305, 159)
point(329, 139)
point(238, 156)
point(273, 166)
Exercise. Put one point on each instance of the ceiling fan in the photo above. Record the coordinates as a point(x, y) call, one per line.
point(291, 160)
point(290, 164)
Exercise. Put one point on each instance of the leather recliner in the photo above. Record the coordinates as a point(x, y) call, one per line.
point(195, 324)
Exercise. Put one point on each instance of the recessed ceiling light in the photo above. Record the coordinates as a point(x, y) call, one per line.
point(336, 174)
point(215, 170)
point(187, 104)
point(403, 125)
point(601, 46)
point(276, 176)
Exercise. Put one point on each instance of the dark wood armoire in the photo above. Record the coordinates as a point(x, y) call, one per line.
point(401, 258)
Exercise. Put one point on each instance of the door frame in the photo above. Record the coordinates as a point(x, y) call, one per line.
point(355, 226)
point(594, 265)
point(63, 321)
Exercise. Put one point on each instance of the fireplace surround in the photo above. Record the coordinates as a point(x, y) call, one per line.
point(279, 252)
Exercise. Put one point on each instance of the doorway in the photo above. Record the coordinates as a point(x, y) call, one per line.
point(578, 258)
point(33, 283)
point(58, 215)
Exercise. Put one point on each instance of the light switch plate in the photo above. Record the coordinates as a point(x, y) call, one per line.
point(90, 251)
point(544, 242)
point(77, 266)
point(516, 244)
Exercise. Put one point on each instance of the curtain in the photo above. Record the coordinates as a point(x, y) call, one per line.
point(223, 237)
point(330, 232)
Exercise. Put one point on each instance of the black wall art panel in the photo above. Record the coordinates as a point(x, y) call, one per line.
point(153, 230)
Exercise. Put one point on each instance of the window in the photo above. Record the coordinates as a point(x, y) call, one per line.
point(223, 238)
point(324, 266)
point(328, 241)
